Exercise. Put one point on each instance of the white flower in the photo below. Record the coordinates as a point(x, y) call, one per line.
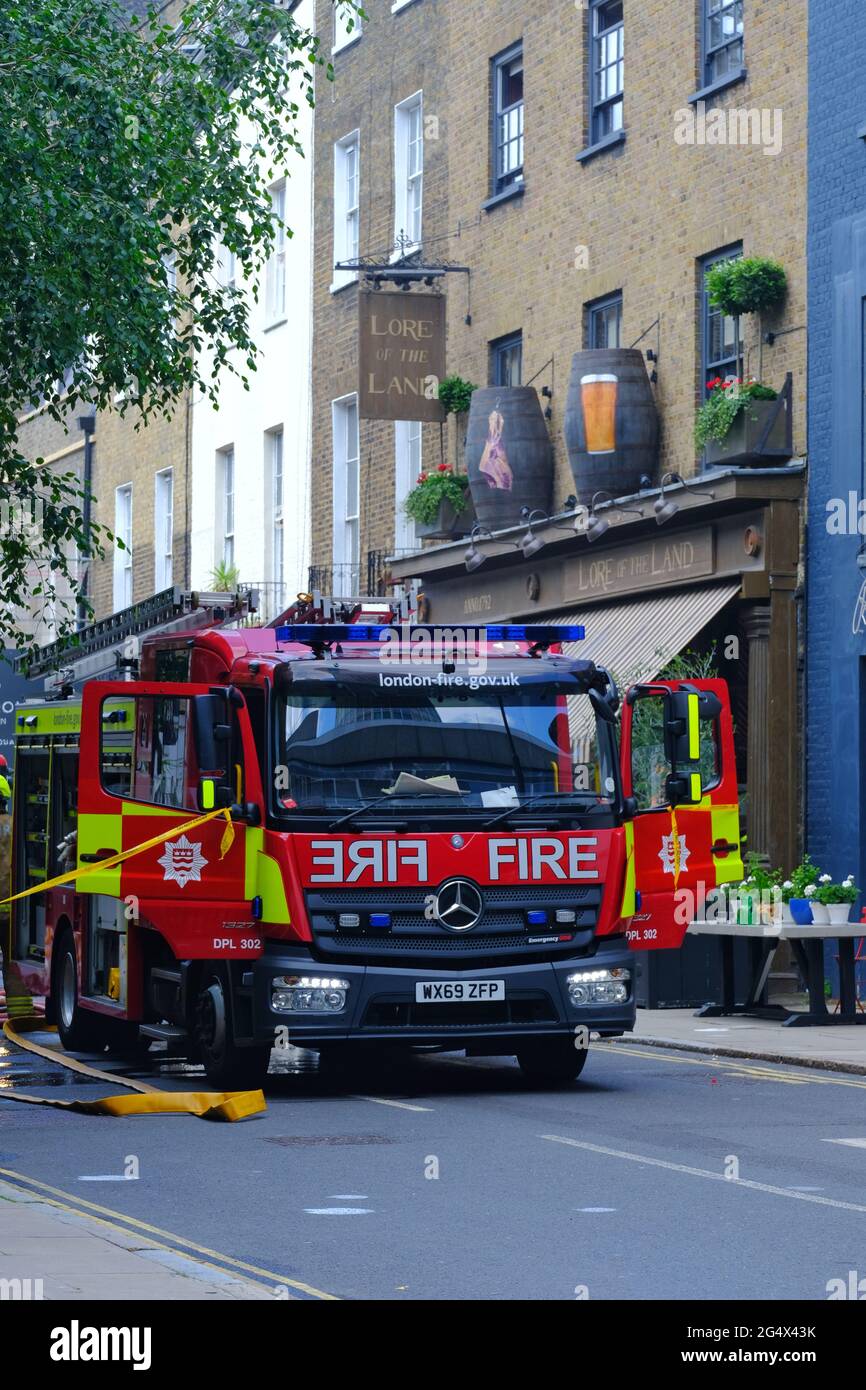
point(809, 890)
point(848, 882)
point(825, 878)
point(787, 883)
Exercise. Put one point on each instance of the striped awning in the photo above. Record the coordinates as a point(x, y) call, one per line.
point(636, 638)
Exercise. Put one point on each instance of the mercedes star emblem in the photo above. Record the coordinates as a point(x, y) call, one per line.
point(459, 905)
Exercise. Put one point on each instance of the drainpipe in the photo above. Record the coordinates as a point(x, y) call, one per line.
point(87, 425)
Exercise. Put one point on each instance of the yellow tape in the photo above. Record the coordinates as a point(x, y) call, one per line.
point(109, 863)
point(675, 846)
point(208, 1105)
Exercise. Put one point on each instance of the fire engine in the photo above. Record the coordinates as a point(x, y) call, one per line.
point(443, 838)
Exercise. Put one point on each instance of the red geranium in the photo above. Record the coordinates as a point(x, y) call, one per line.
point(444, 468)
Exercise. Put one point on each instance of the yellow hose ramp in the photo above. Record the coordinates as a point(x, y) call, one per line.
point(208, 1105)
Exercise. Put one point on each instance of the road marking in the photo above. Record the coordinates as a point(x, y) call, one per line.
point(765, 1071)
point(397, 1104)
point(118, 1219)
point(851, 1143)
point(339, 1211)
point(349, 1197)
point(704, 1173)
point(711, 1030)
point(107, 1177)
point(593, 1209)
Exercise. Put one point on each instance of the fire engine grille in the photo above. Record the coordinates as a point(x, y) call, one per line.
point(529, 1009)
point(504, 926)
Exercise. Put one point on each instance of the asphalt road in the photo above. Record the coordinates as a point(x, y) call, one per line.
point(458, 1179)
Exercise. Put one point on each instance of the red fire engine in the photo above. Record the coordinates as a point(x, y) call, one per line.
point(442, 837)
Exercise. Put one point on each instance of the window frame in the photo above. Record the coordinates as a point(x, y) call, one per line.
point(277, 495)
point(506, 181)
point(342, 38)
point(163, 550)
point(710, 52)
point(224, 550)
point(408, 462)
point(600, 107)
point(710, 369)
point(276, 273)
point(346, 525)
point(499, 348)
point(347, 244)
point(122, 571)
point(404, 114)
point(594, 309)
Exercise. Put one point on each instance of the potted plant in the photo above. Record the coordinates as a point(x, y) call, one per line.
point(745, 285)
point(837, 898)
point(803, 886)
point(732, 424)
point(455, 395)
point(440, 504)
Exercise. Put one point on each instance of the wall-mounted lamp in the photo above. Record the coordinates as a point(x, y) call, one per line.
point(531, 543)
point(473, 559)
point(598, 525)
point(663, 507)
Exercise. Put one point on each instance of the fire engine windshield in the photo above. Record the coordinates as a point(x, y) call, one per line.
point(499, 745)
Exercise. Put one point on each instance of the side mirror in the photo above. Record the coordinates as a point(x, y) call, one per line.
point(211, 736)
point(686, 709)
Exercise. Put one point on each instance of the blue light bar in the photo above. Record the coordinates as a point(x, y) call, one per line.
point(324, 634)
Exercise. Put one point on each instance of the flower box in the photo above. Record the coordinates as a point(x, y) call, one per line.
point(759, 434)
point(447, 524)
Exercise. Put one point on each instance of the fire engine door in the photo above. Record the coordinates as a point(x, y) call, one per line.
point(155, 756)
point(679, 768)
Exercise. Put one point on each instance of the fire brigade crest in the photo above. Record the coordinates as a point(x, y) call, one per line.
point(666, 853)
point(183, 861)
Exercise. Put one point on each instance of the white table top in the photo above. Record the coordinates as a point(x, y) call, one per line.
point(785, 931)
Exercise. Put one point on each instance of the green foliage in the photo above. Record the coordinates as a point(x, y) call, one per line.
point(723, 405)
point(690, 665)
point(832, 893)
point(130, 145)
point(746, 285)
point(455, 394)
point(422, 503)
point(804, 876)
point(225, 578)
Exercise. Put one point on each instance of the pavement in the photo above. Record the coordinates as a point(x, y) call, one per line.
point(834, 1048)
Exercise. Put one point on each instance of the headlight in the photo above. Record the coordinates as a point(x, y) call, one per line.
point(599, 986)
point(309, 994)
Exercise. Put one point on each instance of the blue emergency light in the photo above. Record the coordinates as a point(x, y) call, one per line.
point(325, 634)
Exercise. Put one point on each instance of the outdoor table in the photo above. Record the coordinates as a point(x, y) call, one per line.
point(808, 947)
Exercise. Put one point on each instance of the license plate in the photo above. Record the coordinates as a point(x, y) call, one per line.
point(459, 991)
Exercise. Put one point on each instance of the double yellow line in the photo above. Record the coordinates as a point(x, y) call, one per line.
point(157, 1237)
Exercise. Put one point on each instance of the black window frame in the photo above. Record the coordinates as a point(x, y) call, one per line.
point(499, 348)
point(600, 108)
point(594, 309)
point(504, 181)
point(711, 52)
point(711, 369)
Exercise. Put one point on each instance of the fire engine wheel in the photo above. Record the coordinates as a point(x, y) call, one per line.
point(552, 1059)
point(79, 1030)
point(229, 1067)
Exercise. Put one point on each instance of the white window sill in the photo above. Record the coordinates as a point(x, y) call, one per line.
point(338, 285)
point(347, 43)
point(276, 323)
point(401, 5)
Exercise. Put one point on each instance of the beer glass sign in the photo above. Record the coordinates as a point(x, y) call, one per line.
point(598, 398)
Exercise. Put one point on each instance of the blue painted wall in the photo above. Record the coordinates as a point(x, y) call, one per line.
point(835, 657)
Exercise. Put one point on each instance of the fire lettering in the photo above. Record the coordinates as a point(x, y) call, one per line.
point(372, 861)
point(542, 858)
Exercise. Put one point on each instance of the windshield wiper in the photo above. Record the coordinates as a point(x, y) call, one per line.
point(534, 801)
point(392, 796)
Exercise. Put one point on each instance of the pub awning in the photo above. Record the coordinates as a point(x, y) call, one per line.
point(636, 638)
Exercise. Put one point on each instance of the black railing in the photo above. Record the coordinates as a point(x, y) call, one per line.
point(371, 576)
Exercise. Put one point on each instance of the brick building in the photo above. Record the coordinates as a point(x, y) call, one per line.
point(586, 164)
point(836, 651)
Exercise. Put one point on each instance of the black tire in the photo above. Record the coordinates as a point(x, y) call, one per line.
point(228, 1067)
point(552, 1059)
point(79, 1030)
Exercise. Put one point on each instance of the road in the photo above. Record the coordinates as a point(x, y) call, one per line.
point(456, 1179)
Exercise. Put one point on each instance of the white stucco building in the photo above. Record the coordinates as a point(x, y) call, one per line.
point(251, 455)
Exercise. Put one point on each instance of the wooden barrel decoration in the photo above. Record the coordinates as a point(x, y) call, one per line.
point(611, 422)
point(509, 456)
